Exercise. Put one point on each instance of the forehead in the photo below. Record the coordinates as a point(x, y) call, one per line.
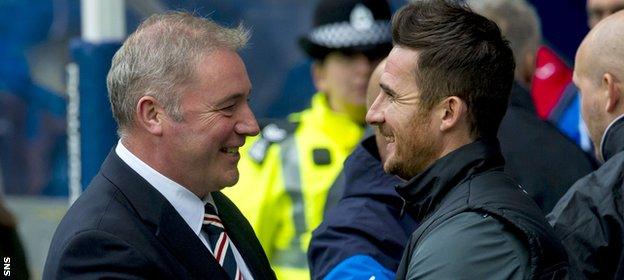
point(605, 3)
point(401, 63)
point(222, 71)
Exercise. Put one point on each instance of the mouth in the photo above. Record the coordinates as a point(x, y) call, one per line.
point(388, 136)
point(230, 150)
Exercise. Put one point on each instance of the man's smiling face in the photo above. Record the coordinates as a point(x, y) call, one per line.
point(403, 121)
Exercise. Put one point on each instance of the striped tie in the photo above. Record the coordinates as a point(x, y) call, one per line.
point(220, 242)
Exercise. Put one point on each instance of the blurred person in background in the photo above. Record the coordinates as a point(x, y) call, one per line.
point(598, 10)
point(178, 91)
point(33, 54)
point(11, 249)
point(445, 90)
point(537, 155)
point(567, 114)
point(287, 171)
point(589, 216)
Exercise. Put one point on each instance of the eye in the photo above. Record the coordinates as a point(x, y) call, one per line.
point(391, 97)
point(229, 108)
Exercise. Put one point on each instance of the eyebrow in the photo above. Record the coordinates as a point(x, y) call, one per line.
point(386, 89)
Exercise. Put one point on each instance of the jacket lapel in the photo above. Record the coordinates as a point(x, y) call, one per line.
point(182, 242)
point(243, 236)
point(163, 220)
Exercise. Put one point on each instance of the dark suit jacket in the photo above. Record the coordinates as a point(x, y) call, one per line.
point(122, 227)
point(537, 155)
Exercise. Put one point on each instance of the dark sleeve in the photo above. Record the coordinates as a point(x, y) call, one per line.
point(469, 246)
point(586, 228)
point(359, 226)
point(97, 255)
point(12, 253)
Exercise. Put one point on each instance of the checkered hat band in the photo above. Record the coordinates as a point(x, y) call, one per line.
point(343, 35)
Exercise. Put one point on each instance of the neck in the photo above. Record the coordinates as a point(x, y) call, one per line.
point(147, 150)
point(455, 141)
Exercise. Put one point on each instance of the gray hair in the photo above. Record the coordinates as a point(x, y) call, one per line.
point(159, 60)
point(518, 22)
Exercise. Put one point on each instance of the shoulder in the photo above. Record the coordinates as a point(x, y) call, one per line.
point(273, 131)
point(83, 256)
point(590, 201)
point(587, 217)
point(360, 267)
point(470, 245)
point(101, 207)
point(99, 213)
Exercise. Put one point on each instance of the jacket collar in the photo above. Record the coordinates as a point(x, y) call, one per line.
point(426, 190)
point(520, 97)
point(613, 139)
point(162, 219)
point(363, 168)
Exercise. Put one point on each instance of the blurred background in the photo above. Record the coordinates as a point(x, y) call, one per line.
point(39, 129)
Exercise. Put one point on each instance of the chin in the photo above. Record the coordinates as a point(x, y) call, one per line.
point(231, 179)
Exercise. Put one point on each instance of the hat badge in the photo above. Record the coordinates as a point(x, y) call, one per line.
point(361, 18)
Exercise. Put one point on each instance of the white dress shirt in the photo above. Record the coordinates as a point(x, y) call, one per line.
point(186, 203)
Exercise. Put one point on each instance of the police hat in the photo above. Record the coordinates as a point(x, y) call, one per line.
point(349, 27)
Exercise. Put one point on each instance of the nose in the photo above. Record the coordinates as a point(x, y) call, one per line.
point(374, 116)
point(248, 125)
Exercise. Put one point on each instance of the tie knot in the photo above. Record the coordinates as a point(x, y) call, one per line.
point(210, 209)
point(210, 216)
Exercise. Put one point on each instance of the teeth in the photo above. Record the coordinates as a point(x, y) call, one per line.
point(389, 139)
point(230, 150)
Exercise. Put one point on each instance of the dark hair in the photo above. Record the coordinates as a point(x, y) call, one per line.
point(460, 53)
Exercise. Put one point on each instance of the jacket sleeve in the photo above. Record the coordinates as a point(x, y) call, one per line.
point(359, 267)
point(469, 246)
point(98, 255)
point(586, 228)
point(368, 225)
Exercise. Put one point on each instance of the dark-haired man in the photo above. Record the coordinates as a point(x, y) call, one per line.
point(445, 89)
point(290, 168)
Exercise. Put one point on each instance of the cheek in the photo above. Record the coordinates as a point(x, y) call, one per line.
point(588, 108)
point(220, 132)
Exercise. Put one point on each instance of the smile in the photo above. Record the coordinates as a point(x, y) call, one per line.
point(231, 151)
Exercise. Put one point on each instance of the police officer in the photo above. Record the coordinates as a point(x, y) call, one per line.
point(287, 171)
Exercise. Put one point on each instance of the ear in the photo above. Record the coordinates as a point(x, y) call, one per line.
point(318, 76)
point(452, 110)
point(613, 92)
point(150, 115)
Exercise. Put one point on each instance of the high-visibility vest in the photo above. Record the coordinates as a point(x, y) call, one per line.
point(285, 175)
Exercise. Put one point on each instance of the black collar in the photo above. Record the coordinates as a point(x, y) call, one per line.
point(520, 97)
point(425, 191)
point(613, 139)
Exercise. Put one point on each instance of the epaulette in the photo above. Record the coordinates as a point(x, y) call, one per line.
point(273, 131)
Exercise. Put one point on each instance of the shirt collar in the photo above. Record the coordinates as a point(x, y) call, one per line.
point(186, 203)
point(612, 139)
